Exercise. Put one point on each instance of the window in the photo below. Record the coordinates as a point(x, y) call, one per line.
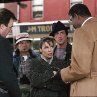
point(72, 2)
point(37, 9)
point(1, 5)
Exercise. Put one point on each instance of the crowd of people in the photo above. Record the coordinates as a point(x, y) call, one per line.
point(60, 69)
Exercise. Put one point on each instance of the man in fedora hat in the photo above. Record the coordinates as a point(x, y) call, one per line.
point(22, 55)
point(63, 49)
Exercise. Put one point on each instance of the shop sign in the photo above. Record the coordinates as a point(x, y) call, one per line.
point(36, 29)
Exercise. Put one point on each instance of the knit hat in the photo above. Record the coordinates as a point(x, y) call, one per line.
point(22, 36)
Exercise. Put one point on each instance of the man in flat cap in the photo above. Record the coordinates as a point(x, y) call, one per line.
point(63, 49)
point(22, 55)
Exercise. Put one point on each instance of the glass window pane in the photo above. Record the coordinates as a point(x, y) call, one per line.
point(72, 2)
point(37, 2)
point(37, 9)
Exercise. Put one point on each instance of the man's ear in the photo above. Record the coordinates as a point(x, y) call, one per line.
point(2, 26)
point(77, 16)
point(40, 50)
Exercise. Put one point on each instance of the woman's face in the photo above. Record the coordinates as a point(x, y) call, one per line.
point(47, 50)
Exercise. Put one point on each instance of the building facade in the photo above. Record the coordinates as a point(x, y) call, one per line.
point(37, 16)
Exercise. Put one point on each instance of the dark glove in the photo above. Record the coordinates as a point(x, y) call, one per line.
point(58, 75)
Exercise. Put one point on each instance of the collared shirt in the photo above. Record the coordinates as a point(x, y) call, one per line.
point(86, 20)
point(49, 61)
point(23, 69)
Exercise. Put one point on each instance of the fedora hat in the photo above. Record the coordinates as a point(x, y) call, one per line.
point(22, 36)
point(57, 27)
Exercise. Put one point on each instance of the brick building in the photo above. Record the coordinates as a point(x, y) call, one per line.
point(37, 16)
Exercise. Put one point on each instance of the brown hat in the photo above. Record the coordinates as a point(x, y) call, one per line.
point(57, 27)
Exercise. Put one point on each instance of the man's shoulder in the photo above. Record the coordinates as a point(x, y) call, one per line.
point(2, 38)
point(35, 60)
point(33, 53)
point(94, 18)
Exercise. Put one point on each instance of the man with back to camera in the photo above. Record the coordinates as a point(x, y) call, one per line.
point(8, 81)
point(63, 49)
point(82, 72)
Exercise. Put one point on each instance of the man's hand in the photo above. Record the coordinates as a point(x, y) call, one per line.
point(54, 72)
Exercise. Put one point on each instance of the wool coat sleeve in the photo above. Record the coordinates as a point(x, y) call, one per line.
point(39, 73)
point(7, 75)
point(81, 56)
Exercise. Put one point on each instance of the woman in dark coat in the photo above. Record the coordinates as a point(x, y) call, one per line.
point(43, 71)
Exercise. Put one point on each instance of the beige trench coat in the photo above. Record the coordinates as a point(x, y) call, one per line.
point(82, 72)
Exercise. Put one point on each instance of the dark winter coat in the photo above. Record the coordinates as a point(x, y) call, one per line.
point(66, 61)
point(8, 80)
point(17, 59)
point(43, 82)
